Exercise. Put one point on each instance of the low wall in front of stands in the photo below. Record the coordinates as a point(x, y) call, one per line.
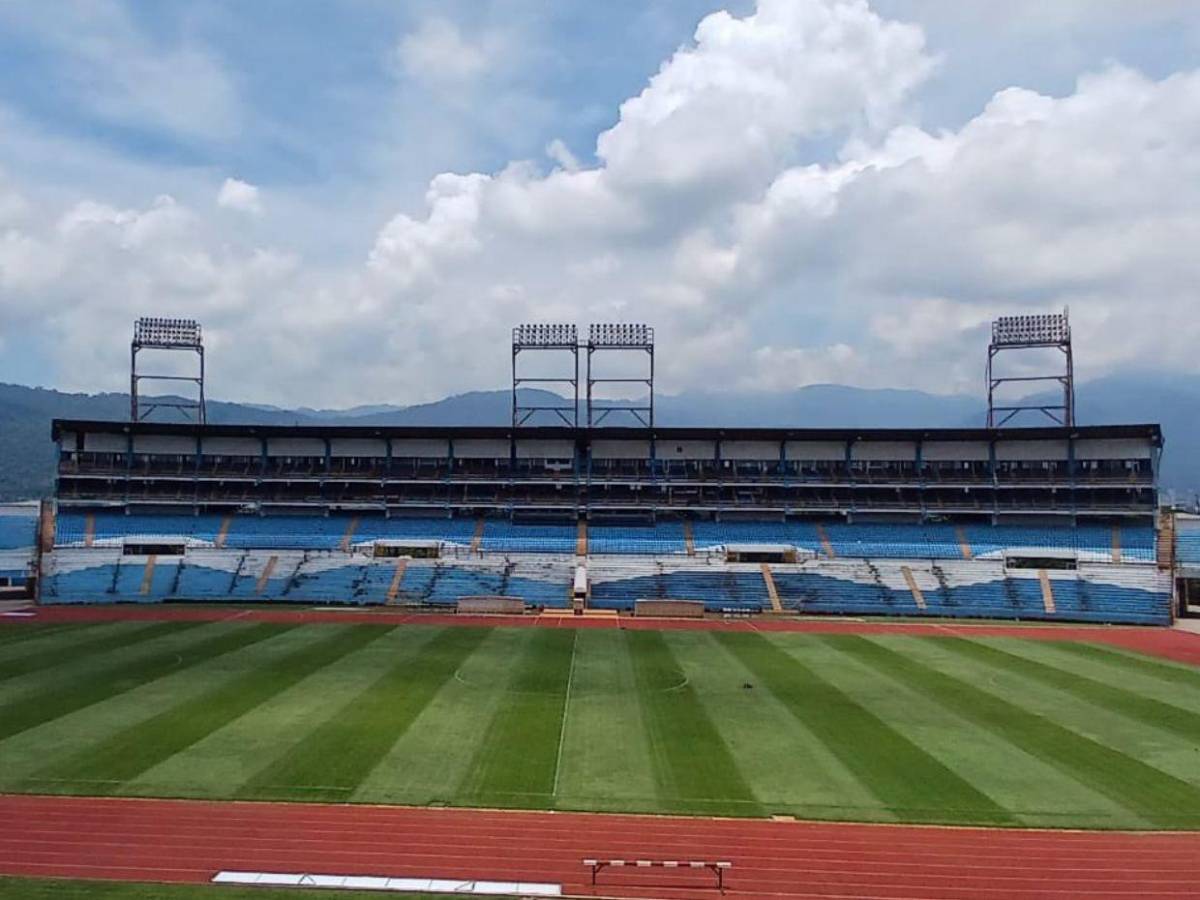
point(491, 605)
point(676, 609)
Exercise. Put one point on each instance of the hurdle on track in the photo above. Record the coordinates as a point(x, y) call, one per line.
point(717, 868)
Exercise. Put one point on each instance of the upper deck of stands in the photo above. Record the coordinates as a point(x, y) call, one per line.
point(1097, 470)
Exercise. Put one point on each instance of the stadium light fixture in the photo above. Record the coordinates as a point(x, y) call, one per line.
point(1030, 330)
point(621, 335)
point(551, 336)
point(159, 333)
point(166, 333)
point(1051, 330)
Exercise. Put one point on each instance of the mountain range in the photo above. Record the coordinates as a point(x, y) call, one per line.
point(27, 454)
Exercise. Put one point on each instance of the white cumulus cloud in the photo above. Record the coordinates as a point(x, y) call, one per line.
point(769, 200)
point(239, 195)
point(438, 52)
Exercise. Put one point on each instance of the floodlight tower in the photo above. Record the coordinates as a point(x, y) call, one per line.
point(621, 337)
point(153, 333)
point(1030, 333)
point(546, 337)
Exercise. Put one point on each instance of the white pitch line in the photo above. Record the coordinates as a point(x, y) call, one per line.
point(562, 729)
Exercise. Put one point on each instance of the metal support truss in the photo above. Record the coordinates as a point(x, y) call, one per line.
point(551, 338)
point(621, 338)
point(152, 333)
point(1030, 333)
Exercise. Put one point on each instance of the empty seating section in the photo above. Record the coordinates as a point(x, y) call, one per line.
point(104, 575)
point(1092, 542)
point(199, 582)
point(935, 541)
point(18, 527)
point(719, 534)
point(286, 532)
point(250, 532)
point(509, 537)
point(1187, 541)
point(374, 528)
point(18, 534)
point(859, 540)
point(637, 540)
point(72, 528)
point(443, 582)
point(619, 585)
point(1138, 543)
point(896, 541)
point(1099, 593)
point(849, 588)
point(876, 568)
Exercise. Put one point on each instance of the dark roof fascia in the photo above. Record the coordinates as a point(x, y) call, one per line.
point(1152, 432)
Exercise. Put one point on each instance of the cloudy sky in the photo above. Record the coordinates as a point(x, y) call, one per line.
point(359, 199)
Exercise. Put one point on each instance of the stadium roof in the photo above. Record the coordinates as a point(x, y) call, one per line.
point(1152, 432)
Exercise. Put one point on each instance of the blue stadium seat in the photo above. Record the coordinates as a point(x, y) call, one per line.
point(501, 536)
point(719, 534)
point(431, 528)
point(634, 540)
point(443, 582)
point(18, 530)
point(1187, 541)
point(718, 587)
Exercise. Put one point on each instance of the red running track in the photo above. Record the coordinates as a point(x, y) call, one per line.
point(189, 841)
point(1169, 643)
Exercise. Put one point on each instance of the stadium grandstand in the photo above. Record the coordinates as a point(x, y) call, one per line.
point(1052, 522)
point(1002, 523)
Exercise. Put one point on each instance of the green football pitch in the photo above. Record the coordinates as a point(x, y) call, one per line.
point(877, 728)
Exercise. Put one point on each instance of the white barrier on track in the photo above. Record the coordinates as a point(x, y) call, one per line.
point(386, 883)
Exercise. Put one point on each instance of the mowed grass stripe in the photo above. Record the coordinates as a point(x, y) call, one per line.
point(1157, 797)
point(14, 633)
point(54, 639)
point(334, 758)
point(428, 764)
point(104, 766)
point(35, 709)
point(909, 781)
point(1165, 671)
point(60, 652)
point(1144, 709)
point(605, 756)
point(1028, 788)
point(515, 764)
point(694, 771)
point(788, 768)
